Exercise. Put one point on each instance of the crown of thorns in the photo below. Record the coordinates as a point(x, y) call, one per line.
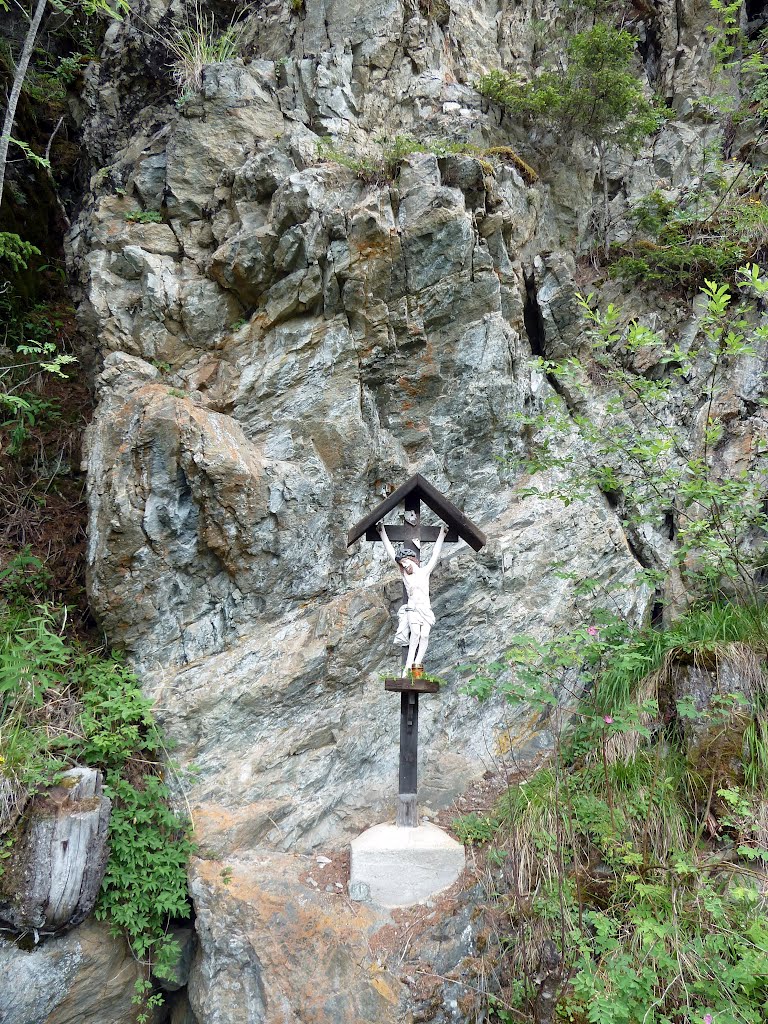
point(406, 553)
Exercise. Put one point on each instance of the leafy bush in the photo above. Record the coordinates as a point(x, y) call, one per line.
point(630, 860)
point(474, 828)
point(630, 857)
point(15, 251)
point(704, 234)
point(64, 704)
point(634, 453)
point(593, 91)
point(602, 851)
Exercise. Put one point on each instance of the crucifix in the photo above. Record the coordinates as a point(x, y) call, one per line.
point(415, 615)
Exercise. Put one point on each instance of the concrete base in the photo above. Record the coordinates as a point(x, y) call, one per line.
point(400, 867)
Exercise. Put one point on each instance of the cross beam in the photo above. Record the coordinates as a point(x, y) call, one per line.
point(410, 688)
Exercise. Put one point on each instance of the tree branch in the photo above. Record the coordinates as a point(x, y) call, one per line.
point(18, 81)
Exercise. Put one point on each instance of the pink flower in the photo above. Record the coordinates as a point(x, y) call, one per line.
point(707, 1018)
point(609, 721)
point(593, 630)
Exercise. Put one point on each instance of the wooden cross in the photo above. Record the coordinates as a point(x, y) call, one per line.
point(411, 494)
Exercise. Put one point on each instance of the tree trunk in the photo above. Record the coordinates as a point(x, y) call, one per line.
point(604, 179)
point(18, 81)
point(52, 878)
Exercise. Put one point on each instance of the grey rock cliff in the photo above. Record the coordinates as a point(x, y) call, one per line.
point(288, 344)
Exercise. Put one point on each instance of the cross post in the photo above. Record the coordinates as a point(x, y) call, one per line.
point(409, 685)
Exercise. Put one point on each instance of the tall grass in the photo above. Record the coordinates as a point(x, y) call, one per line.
point(198, 45)
point(702, 636)
point(638, 853)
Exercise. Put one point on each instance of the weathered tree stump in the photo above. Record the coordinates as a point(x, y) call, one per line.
point(53, 875)
point(549, 978)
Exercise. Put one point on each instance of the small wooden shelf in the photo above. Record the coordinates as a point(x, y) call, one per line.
point(412, 685)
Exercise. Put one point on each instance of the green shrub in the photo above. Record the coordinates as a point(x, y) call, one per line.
point(15, 251)
point(594, 91)
point(382, 164)
point(635, 454)
point(63, 704)
point(472, 829)
point(634, 865)
point(706, 235)
point(590, 90)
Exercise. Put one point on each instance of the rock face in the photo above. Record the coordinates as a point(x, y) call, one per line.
point(272, 949)
point(289, 344)
point(85, 975)
point(52, 878)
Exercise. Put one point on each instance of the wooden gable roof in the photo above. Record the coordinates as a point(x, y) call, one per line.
point(419, 488)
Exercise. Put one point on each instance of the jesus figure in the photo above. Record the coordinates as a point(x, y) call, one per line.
point(415, 618)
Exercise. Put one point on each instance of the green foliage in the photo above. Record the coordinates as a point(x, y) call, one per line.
point(198, 44)
point(382, 164)
point(616, 850)
point(603, 850)
point(144, 217)
point(473, 829)
point(30, 339)
point(15, 251)
point(145, 884)
point(109, 725)
point(30, 154)
point(23, 579)
point(112, 8)
point(705, 233)
point(631, 451)
point(146, 1000)
point(594, 91)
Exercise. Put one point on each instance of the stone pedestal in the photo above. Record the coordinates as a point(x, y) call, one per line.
point(400, 867)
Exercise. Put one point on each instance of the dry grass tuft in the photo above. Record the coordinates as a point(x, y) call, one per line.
point(13, 797)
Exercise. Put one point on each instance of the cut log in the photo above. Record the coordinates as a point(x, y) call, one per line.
point(52, 878)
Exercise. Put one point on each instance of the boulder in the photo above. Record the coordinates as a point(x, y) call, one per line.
point(85, 975)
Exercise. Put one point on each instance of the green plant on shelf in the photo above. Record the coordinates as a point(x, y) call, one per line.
point(144, 217)
point(705, 233)
point(197, 44)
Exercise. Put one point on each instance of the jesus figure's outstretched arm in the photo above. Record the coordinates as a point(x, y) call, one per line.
point(386, 542)
point(438, 548)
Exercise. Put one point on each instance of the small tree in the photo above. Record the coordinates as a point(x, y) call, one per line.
point(22, 65)
point(592, 91)
point(627, 442)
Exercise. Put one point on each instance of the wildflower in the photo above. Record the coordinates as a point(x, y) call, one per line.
point(592, 630)
point(707, 1018)
point(609, 721)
